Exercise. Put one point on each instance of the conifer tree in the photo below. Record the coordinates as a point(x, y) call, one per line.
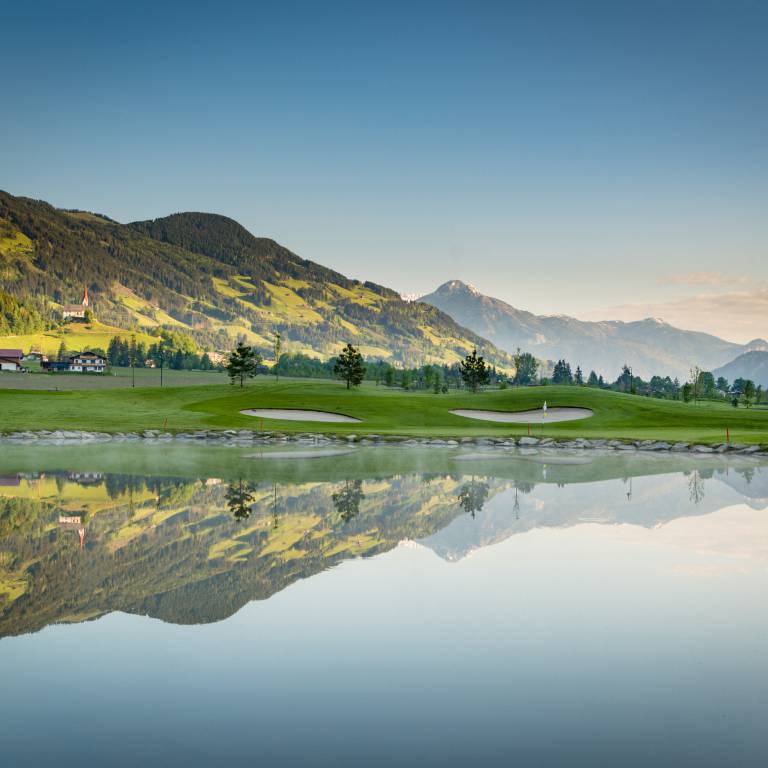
point(474, 371)
point(243, 364)
point(349, 366)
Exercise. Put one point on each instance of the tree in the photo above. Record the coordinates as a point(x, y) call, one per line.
point(722, 384)
point(578, 377)
point(695, 374)
point(61, 355)
point(88, 316)
point(706, 384)
point(278, 346)
point(592, 380)
point(749, 392)
point(526, 367)
point(132, 353)
point(686, 392)
point(474, 371)
point(349, 366)
point(562, 373)
point(389, 377)
point(243, 364)
point(624, 382)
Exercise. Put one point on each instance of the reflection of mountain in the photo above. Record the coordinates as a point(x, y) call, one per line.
point(171, 549)
point(77, 546)
point(643, 501)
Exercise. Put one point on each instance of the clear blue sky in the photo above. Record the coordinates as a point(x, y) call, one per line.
point(594, 158)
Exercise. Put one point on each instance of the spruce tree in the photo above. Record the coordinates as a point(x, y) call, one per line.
point(474, 371)
point(349, 366)
point(243, 364)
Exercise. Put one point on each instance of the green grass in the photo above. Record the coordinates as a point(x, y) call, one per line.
point(382, 411)
point(115, 378)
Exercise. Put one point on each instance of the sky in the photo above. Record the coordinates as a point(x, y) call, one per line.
point(600, 159)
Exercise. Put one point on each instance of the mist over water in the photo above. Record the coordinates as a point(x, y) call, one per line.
point(383, 606)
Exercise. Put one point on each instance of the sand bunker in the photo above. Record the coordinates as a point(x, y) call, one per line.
point(527, 417)
point(291, 414)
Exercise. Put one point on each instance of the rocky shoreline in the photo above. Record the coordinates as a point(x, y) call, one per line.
point(250, 437)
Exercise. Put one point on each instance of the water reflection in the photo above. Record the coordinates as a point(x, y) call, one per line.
point(472, 496)
point(78, 544)
point(240, 498)
point(347, 500)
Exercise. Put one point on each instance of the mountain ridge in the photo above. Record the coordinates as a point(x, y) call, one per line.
point(207, 276)
point(752, 365)
point(651, 346)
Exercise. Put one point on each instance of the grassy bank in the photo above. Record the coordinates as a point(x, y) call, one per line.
point(381, 410)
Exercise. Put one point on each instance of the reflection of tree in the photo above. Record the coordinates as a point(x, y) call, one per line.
point(472, 496)
point(696, 487)
point(239, 499)
point(347, 500)
point(274, 505)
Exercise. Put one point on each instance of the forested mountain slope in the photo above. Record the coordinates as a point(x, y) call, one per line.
point(206, 275)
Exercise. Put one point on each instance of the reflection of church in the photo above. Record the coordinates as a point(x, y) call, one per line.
point(73, 523)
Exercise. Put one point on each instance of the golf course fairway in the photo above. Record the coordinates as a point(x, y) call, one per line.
point(381, 411)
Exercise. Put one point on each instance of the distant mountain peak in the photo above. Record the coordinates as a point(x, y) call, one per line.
point(458, 286)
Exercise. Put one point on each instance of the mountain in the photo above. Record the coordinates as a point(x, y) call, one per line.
point(751, 365)
point(207, 276)
point(650, 346)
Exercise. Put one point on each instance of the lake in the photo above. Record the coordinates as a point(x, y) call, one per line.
point(195, 605)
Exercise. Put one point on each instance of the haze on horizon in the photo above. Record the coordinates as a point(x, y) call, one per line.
point(605, 160)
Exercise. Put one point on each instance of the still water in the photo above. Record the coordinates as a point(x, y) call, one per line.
point(186, 605)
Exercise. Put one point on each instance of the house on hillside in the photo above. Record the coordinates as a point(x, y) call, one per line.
point(76, 311)
point(83, 362)
point(10, 359)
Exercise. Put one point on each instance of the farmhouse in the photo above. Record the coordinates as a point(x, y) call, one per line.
point(10, 359)
point(87, 362)
point(76, 311)
point(83, 362)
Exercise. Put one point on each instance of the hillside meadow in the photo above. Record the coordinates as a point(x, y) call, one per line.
point(381, 410)
point(78, 337)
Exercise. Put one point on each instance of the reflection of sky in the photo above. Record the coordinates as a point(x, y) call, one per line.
point(583, 645)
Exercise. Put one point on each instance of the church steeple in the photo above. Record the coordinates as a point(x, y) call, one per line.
point(85, 297)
